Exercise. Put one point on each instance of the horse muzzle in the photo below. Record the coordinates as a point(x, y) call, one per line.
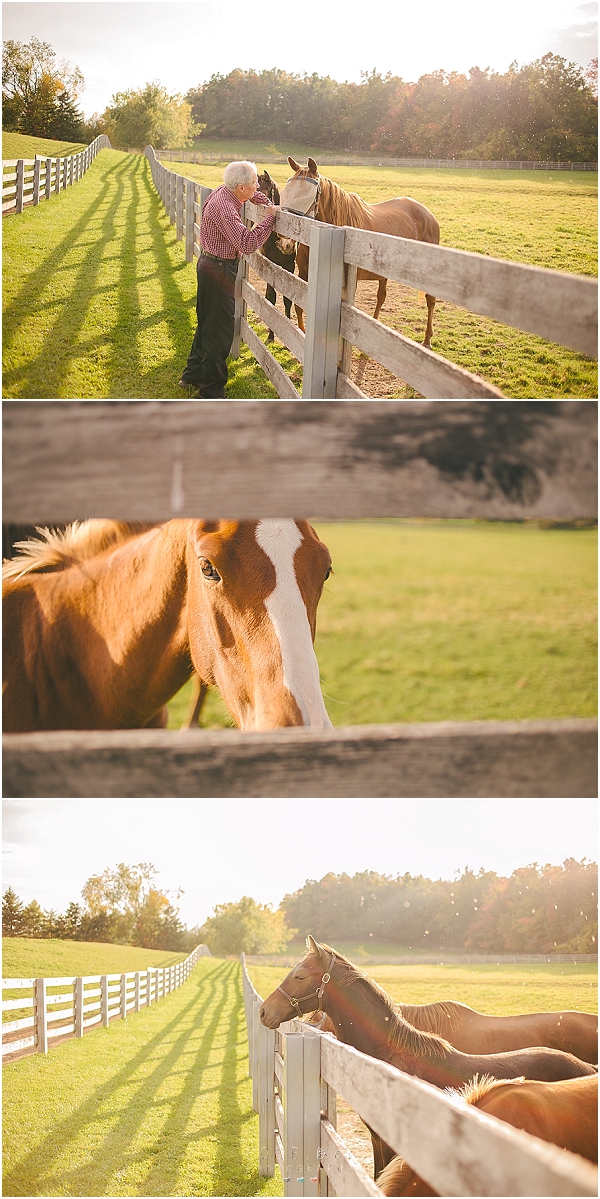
point(297, 212)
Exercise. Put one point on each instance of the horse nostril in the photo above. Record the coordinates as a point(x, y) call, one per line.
point(261, 1012)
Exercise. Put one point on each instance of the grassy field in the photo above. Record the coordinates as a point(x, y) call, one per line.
point(99, 301)
point(502, 990)
point(24, 957)
point(159, 1104)
point(454, 620)
point(546, 219)
point(20, 145)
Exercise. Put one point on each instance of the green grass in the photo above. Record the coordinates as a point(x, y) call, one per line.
point(20, 145)
point(159, 1104)
point(453, 620)
point(25, 957)
point(541, 218)
point(503, 990)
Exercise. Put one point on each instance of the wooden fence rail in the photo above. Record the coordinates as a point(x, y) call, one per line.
point(555, 305)
point(350, 159)
point(29, 180)
point(297, 1073)
point(154, 460)
point(60, 1008)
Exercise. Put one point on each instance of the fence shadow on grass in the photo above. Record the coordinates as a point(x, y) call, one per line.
point(154, 1081)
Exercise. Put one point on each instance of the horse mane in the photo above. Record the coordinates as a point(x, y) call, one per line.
point(57, 549)
point(477, 1087)
point(401, 1035)
point(344, 208)
point(439, 1018)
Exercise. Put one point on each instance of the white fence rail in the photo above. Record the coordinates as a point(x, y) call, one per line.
point(29, 180)
point(555, 305)
point(350, 159)
point(296, 1074)
point(64, 1007)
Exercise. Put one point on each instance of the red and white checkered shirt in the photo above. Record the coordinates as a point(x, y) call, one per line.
point(223, 233)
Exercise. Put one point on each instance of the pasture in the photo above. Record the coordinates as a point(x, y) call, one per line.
point(21, 145)
point(546, 219)
point(159, 1104)
point(25, 957)
point(451, 620)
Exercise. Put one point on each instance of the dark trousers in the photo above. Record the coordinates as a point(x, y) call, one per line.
point(206, 366)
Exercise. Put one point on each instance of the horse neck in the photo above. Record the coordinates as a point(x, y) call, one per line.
point(337, 207)
point(359, 1015)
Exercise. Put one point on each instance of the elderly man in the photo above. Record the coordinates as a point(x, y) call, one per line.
point(223, 238)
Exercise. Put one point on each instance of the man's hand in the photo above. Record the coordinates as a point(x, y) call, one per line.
point(273, 209)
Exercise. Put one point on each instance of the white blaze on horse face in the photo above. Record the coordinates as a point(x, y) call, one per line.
point(280, 539)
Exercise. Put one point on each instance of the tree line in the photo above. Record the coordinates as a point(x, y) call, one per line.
point(121, 906)
point(545, 110)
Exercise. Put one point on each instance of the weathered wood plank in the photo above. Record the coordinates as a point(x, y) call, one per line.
point(283, 281)
point(67, 460)
point(529, 759)
point(272, 368)
point(347, 390)
point(457, 1149)
point(433, 376)
point(347, 1174)
point(552, 304)
point(296, 227)
point(289, 334)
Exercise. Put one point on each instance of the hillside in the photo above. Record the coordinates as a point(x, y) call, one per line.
point(24, 957)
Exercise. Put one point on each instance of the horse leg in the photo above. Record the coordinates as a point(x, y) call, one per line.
point(429, 329)
point(197, 697)
point(381, 294)
point(271, 296)
point(158, 721)
point(300, 317)
point(287, 304)
point(382, 1154)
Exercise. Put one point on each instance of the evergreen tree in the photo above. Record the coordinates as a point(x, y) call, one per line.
point(12, 914)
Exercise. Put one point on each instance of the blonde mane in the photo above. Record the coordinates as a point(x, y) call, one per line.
point(439, 1018)
point(477, 1087)
point(57, 549)
point(339, 207)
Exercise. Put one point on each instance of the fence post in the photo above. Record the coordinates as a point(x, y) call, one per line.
point(323, 310)
point(20, 196)
point(179, 206)
point(312, 1110)
point(349, 294)
point(190, 197)
point(48, 178)
point(78, 999)
point(137, 991)
point(254, 1042)
point(37, 174)
point(123, 998)
point(104, 1000)
point(266, 1101)
point(172, 197)
point(240, 307)
point(293, 1124)
point(41, 1015)
point(148, 987)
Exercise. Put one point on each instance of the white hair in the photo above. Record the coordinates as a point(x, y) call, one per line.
point(239, 174)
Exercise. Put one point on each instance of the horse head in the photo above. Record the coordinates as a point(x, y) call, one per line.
point(253, 591)
point(302, 989)
point(268, 187)
point(301, 193)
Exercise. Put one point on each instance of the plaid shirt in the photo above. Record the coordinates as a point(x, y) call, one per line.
point(222, 229)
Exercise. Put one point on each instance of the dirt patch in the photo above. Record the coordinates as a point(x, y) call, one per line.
point(355, 1135)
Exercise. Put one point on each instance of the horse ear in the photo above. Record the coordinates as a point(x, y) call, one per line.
point(294, 165)
point(314, 946)
point(312, 166)
point(267, 177)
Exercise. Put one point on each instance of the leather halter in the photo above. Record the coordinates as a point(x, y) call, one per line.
point(296, 1002)
point(315, 203)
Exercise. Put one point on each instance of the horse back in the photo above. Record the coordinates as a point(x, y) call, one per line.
point(405, 217)
point(564, 1113)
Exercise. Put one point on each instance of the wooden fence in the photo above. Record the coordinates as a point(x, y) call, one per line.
point(153, 460)
point(297, 1073)
point(554, 305)
point(326, 158)
point(29, 180)
point(60, 1008)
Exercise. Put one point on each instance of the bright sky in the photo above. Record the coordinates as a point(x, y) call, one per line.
point(120, 46)
point(221, 849)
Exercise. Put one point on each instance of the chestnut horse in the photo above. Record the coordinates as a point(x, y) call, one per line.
point(365, 1017)
point(104, 623)
point(311, 194)
point(562, 1113)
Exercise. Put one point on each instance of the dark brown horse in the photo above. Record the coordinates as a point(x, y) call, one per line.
point(273, 248)
point(365, 1017)
point(314, 195)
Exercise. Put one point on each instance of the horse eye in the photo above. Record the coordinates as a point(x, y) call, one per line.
point(209, 571)
point(329, 570)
